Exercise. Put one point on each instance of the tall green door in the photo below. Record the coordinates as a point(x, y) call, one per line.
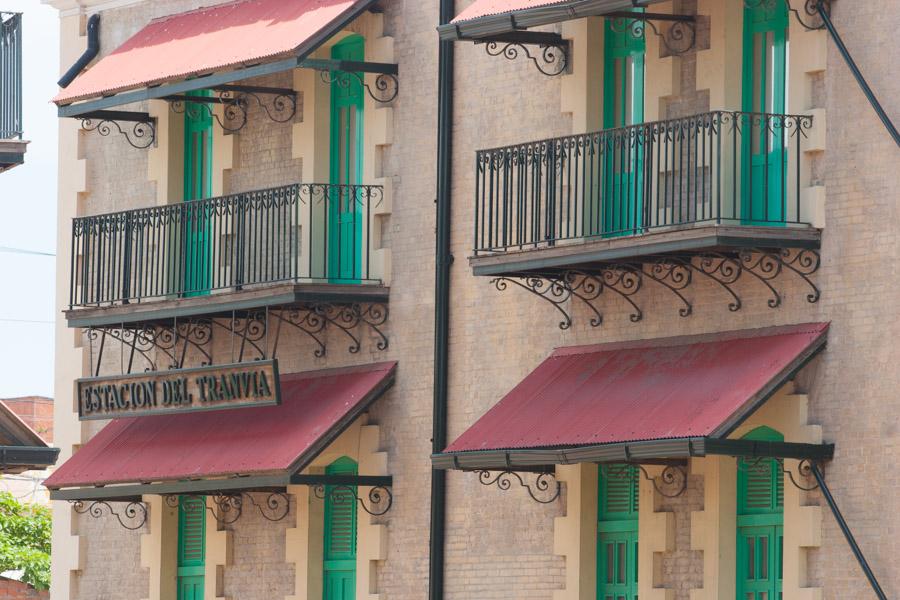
point(191, 547)
point(623, 105)
point(760, 524)
point(198, 152)
point(617, 533)
point(764, 92)
point(345, 226)
point(339, 575)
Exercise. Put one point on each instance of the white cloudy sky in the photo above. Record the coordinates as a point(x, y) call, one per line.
point(28, 218)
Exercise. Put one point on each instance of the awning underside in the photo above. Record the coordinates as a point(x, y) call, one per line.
point(238, 36)
point(660, 400)
point(260, 448)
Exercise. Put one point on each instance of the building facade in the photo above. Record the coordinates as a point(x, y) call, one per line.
point(657, 357)
point(12, 146)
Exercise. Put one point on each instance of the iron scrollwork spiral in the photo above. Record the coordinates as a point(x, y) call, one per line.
point(132, 517)
point(227, 508)
point(678, 38)
point(545, 489)
point(550, 59)
point(670, 483)
point(235, 112)
point(808, 16)
point(378, 500)
point(385, 90)
point(140, 134)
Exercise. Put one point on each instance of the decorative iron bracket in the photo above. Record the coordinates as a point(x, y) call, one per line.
point(132, 518)
point(228, 508)
point(380, 498)
point(804, 471)
point(674, 478)
point(678, 38)
point(808, 16)
point(386, 87)
point(674, 273)
point(237, 100)
point(545, 489)
point(140, 132)
point(551, 56)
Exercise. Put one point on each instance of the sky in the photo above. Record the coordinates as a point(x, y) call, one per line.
point(28, 218)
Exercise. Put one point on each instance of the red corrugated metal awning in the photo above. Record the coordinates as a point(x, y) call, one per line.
point(213, 39)
point(281, 440)
point(670, 389)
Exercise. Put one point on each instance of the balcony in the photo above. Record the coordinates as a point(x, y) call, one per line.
point(703, 196)
point(12, 146)
point(302, 249)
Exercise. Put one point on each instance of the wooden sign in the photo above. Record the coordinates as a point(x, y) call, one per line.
point(184, 390)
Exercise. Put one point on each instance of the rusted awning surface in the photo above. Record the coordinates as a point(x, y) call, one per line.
point(208, 40)
point(486, 18)
point(673, 390)
point(316, 407)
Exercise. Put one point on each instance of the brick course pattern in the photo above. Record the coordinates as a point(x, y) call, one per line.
point(10, 589)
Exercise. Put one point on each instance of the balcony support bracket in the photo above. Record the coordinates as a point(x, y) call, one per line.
point(673, 272)
point(807, 15)
point(678, 37)
point(279, 104)
point(548, 51)
point(138, 128)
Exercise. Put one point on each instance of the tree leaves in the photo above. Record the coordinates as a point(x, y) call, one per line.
point(25, 540)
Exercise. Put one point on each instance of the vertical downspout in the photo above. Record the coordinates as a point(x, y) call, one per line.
point(443, 260)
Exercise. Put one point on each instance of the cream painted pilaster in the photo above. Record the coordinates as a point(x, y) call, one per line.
point(159, 548)
point(581, 94)
point(656, 534)
point(575, 534)
point(219, 554)
point(662, 75)
point(719, 67)
point(713, 530)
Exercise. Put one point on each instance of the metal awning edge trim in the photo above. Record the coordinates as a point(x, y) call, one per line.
point(24, 456)
point(488, 25)
point(633, 452)
point(231, 74)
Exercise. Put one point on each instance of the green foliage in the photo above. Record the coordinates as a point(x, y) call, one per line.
point(25, 540)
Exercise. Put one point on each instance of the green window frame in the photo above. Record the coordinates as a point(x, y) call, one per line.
point(345, 218)
point(764, 91)
point(617, 532)
point(198, 176)
point(760, 524)
point(339, 551)
point(191, 564)
point(624, 58)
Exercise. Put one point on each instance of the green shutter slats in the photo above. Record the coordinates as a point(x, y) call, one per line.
point(341, 526)
point(192, 521)
point(339, 574)
point(619, 498)
point(617, 538)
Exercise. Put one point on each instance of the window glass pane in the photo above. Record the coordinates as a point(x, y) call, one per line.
point(764, 557)
point(628, 92)
point(751, 552)
point(342, 146)
point(610, 563)
point(622, 563)
point(353, 140)
point(619, 92)
point(770, 66)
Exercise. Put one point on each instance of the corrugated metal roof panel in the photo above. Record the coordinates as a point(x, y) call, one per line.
point(484, 8)
point(648, 390)
point(227, 442)
point(207, 40)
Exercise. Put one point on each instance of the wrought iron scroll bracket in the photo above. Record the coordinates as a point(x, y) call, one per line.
point(807, 15)
point(678, 38)
point(133, 517)
point(139, 134)
point(544, 490)
point(674, 478)
point(804, 470)
point(385, 89)
point(228, 508)
point(550, 57)
point(377, 502)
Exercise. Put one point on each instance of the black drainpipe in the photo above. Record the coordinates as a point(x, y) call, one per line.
point(443, 260)
point(845, 529)
point(93, 48)
point(888, 124)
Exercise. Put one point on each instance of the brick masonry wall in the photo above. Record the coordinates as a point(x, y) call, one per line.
point(10, 589)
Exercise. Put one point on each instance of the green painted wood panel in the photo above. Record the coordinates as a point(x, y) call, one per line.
point(764, 91)
point(191, 547)
point(339, 556)
point(345, 214)
point(623, 105)
point(760, 524)
point(198, 153)
point(617, 532)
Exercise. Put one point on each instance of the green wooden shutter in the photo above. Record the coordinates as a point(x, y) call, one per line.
point(191, 547)
point(198, 155)
point(617, 532)
point(344, 210)
point(339, 576)
point(764, 90)
point(760, 524)
point(623, 105)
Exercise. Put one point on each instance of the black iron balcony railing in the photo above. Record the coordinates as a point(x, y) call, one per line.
point(296, 233)
point(718, 168)
point(10, 75)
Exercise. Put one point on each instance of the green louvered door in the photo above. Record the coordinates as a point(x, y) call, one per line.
point(198, 135)
point(764, 91)
point(760, 521)
point(617, 533)
point(345, 227)
point(191, 547)
point(623, 105)
point(339, 575)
